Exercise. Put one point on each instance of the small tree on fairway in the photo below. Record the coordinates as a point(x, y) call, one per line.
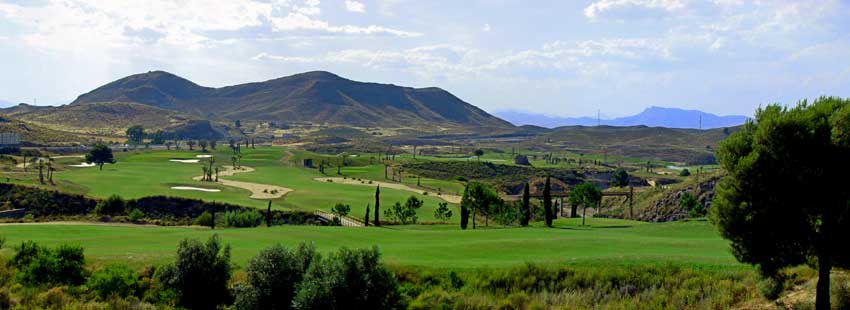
point(191, 144)
point(586, 195)
point(203, 145)
point(366, 218)
point(443, 213)
point(100, 154)
point(168, 145)
point(212, 144)
point(135, 134)
point(478, 153)
point(479, 200)
point(782, 203)
point(406, 213)
point(341, 210)
point(378, 206)
point(620, 178)
point(684, 173)
point(525, 213)
point(547, 203)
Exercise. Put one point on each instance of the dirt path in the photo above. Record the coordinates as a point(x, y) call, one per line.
point(258, 190)
point(363, 182)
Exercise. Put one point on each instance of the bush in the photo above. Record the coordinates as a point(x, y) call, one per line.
point(840, 292)
point(251, 218)
point(273, 275)
point(113, 205)
point(135, 215)
point(200, 274)
point(39, 266)
point(771, 287)
point(205, 219)
point(114, 280)
point(349, 279)
point(684, 173)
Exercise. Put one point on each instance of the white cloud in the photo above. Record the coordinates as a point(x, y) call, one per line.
point(602, 7)
point(486, 28)
point(297, 21)
point(355, 6)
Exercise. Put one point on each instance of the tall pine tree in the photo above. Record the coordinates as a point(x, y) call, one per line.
point(547, 202)
point(525, 213)
point(378, 206)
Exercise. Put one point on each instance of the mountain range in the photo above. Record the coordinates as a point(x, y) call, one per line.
point(652, 117)
point(313, 97)
point(4, 103)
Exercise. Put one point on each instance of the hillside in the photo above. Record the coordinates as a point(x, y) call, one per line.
point(314, 97)
point(652, 117)
point(36, 135)
point(670, 144)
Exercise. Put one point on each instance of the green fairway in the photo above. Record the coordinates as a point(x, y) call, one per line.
point(608, 242)
point(147, 173)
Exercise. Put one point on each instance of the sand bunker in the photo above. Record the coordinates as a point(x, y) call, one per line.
point(83, 165)
point(186, 161)
point(191, 188)
point(258, 191)
point(203, 156)
point(363, 182)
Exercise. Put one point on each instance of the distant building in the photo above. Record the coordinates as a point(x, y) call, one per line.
point(10, 142)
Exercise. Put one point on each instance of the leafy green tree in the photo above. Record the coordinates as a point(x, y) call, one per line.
point(690, 203)
point(781, 203)
point(442, 212)
point(620, 178)
point(348, 279)
point(406, 213)
point(341, 210)
point(100, 154)
point(135, 134)
point(203, 144)
point(479, 200)
point(158, 137)
point(38, 266)
point(273, 276)
point(585, 195)
point(200, 274)
point(168, 145)
point(547, 203)
point(525, 213)
point(191, 144)
point(478, 153)
point(684, 173)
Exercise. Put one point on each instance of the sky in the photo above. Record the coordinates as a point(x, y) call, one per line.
point(561, 58)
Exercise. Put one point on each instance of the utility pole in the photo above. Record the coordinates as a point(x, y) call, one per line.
point(598, 118)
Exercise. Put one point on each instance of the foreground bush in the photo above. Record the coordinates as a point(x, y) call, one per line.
point(114, 281)
point(273, 275)
point(200, 275)
point(38, 266)
point(349, 279)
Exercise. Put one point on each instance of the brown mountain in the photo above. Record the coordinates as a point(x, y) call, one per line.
point(314, 97)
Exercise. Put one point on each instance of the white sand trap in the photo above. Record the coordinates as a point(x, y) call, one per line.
point(203, 156)
point(186, 161)
point(258, 191)
point(191, 188)
point(83, 165)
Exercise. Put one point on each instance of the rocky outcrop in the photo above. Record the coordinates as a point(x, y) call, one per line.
point(666, 208)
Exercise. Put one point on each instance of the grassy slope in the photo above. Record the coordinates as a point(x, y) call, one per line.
point(150, 173)
point(609, 242)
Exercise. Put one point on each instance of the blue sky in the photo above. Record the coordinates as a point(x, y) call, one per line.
point(565, 58)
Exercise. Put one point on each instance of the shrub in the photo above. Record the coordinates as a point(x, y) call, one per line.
point(205, 219)
point(114, 280)
point(684, 173)
point(771, 287)
point(406, 214)
point(114, 205)
point(273, 275)
point(840, 292)
point(135, 215)
point(251, 218)
point(349, 279)
point(200, 274)
point(42, 266)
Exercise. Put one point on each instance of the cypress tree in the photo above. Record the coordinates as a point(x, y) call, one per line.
point(378, 206)
point(525, 213)
point(547, 202)
point(269, 215)
point(366, 222)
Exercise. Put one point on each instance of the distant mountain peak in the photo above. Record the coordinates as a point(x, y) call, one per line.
point(317, 96)
point(653, 116)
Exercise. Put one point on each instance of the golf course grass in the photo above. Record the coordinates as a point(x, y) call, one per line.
point(149, 173)
point(603, 242)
